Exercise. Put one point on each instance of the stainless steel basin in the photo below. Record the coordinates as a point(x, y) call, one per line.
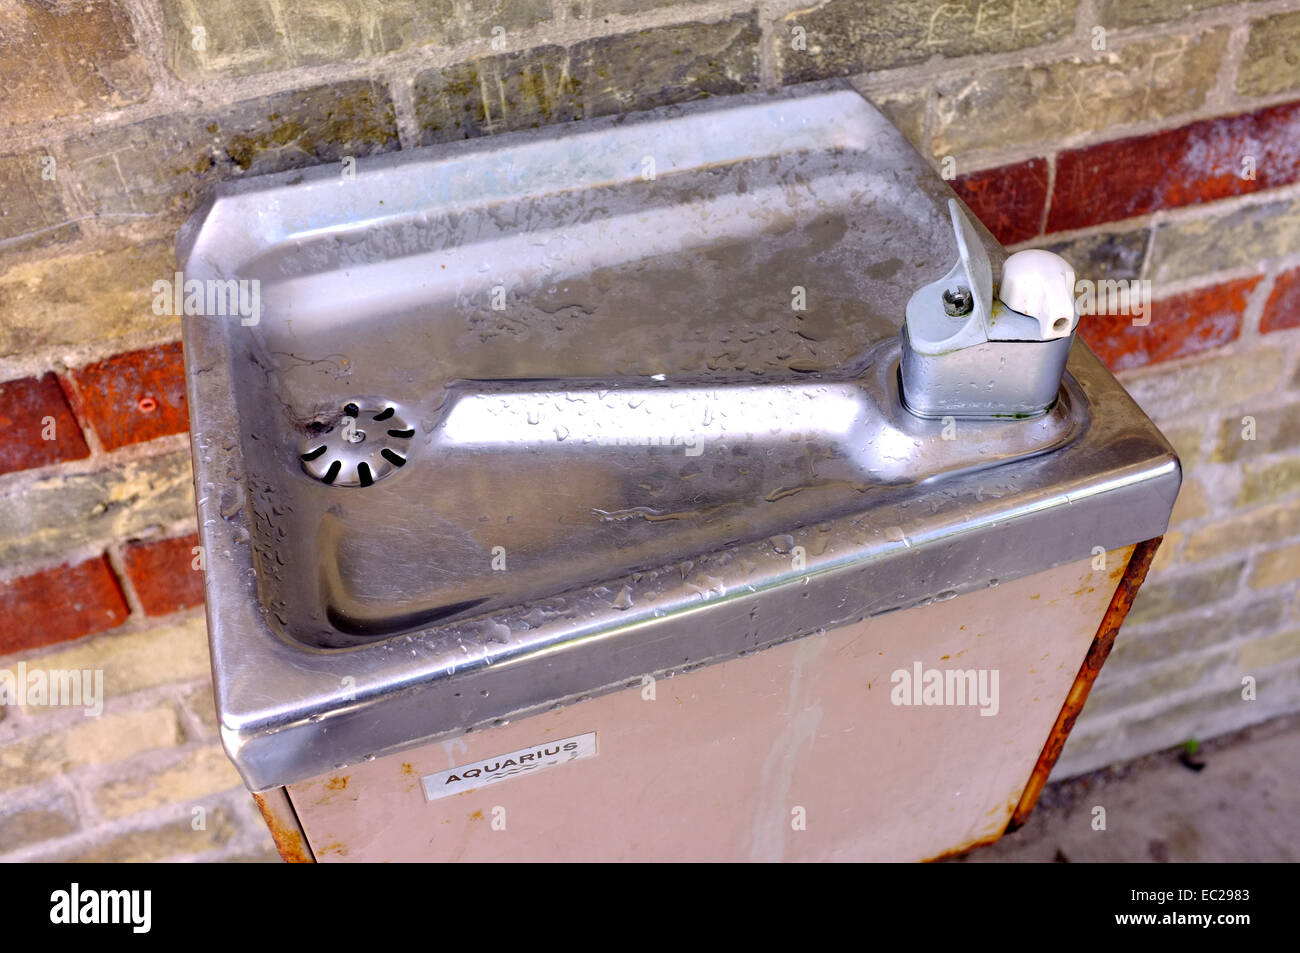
point(525, 418)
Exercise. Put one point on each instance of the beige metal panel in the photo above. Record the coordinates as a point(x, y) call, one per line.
point(794, 753)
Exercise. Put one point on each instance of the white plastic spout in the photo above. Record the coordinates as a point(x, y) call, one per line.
point(1040, 284)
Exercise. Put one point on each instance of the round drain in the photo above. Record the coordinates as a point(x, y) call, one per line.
point(365, 445)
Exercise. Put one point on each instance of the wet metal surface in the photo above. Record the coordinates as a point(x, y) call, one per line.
point(633, 451)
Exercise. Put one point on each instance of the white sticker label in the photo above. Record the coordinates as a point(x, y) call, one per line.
point(477, 774)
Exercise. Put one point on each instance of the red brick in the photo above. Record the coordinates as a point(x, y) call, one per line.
point(1283, 308)
point(25, 409)
point(1200, 162)
point(1009, 200)
point(60, 604)
point(163, 574)
point(1181, 325)
point(135, 396)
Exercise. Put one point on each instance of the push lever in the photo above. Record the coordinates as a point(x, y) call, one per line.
point(969, 353)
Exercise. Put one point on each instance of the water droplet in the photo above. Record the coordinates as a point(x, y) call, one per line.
point(782, 544)
point(624, 599)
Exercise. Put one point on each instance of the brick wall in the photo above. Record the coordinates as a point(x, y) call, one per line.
point(1114, 131)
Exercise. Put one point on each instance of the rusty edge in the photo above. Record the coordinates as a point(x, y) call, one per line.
point(286, 831)
point(1125, 592)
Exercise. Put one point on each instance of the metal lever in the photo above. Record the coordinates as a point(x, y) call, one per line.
point(967, 353)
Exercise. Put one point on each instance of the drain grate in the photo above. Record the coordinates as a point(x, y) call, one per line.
point(369, 442)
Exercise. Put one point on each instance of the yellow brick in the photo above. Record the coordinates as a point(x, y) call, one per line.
point(1275, 523)
point(205, 772)
point(178, 839)
point(1277, 566)
point(1265, 652)
point(1187, 442)
point(1165, 554)
point(1191, 504)
point(171, 653)
point(200, 703)
point(93, 742)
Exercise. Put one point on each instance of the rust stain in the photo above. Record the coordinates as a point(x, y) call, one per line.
point(288, 837)
point(338, 784)
point(477, 815)
point(335, 848)
point(958, 851)
point(1005, 809)
point(408, 768)
point(1133, 575)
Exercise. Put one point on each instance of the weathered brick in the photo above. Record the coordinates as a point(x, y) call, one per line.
point(161, 166)
point(268, 855)
point(1270, 481)
point(1270, 63)
point(1116, 13)
point(95, 741)
point(1199, 162)
point(44, 516)
point(202, 706)
point(1187, 442)
point(1213, 383)
point(60, 604)
point(1009, 200)
point(1276, 428)
point(132, 397)
point(33, 214)
point(24, 824)
point(1113, 255)
point(61, 59)
point(1190, 590)
point(253, 36)
point(163, 574)
point(595, 77)
point(1136, 646)
point(1268, 524)
point(1263, 653)
point(1164, 557)
point(1175, 675)
point(845, 36)
point(1276, 567)
point(32, 410)
point(205, 772)
point(1045, 102)
point(1180, 326)
point(1241, 238)
point(1213, 711)
point(131, 661)
point(1283, 307)
point(905, 108)
point(1192, 502)
point(178, 839)
point(77, 299)
point(590, 9)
